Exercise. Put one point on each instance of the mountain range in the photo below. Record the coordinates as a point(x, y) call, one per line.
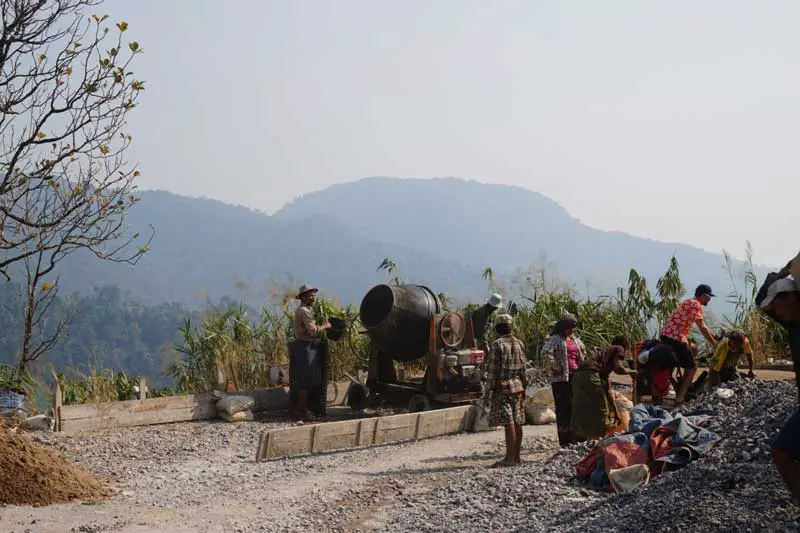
point(441, 232)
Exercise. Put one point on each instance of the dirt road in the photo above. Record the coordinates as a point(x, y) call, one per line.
point(201, 478)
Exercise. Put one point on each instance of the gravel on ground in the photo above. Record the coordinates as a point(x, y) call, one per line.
point(201, 477)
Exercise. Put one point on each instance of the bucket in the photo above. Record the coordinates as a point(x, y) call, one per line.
point(337, 329)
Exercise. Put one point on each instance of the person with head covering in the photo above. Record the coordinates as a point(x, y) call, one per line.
point(507, 382)
point(779, 298)
point(565, 353)
point(594, 410)
point(480, 321)
point(724, 364)
point(675, 334)
point(656, 366)
point(306, 363)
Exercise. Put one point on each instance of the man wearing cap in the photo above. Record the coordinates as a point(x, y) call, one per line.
point(676, 329)
point(480, 320)
point(779, 298)
point(305, 364)
point(506, 386)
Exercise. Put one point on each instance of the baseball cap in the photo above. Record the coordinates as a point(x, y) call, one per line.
point(779, 286)
point(703, 289)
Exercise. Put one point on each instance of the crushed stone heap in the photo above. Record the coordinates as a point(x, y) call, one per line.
point(31, 474)
point(734, 488)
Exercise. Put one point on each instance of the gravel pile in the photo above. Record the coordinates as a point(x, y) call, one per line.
point(186, 463)
point(538, 377)
point(736, 488)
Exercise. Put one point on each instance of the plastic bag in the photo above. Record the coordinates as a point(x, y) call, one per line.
point(538, 414)
point(241, 416)
point(482, 417)
point(724, 393)
point(622, 402)
point(234, 404)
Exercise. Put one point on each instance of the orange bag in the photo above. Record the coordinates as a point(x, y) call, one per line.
point(623, 454)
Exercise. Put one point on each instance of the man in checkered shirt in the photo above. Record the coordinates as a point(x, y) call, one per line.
point(507, 383)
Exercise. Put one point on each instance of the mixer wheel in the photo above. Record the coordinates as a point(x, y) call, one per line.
point(419, 402)
point(357, 396)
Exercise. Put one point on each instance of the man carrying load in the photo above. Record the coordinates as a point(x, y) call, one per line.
point(306, 354)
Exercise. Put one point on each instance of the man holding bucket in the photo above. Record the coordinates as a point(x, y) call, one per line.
point(306, 354)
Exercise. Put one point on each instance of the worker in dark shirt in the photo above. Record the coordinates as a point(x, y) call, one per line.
point(480, 320)
point(779, 298)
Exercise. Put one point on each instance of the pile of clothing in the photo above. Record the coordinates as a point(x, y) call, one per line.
point(656, 441)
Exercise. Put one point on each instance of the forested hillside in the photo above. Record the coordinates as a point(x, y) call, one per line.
point(109, 329)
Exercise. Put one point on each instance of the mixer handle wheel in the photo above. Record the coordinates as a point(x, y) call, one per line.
point(452, 329)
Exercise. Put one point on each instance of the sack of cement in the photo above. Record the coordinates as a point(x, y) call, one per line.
point(538, 414)
point(234, 404)
point(628, 478)
point(39, 423)
point(241, 416)
point(540, 395)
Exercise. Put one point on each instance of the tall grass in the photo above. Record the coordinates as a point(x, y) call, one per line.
point(242, 347)
point(768, 339)
point(228, 344)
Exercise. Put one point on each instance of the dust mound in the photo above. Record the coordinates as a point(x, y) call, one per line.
point(31, 474)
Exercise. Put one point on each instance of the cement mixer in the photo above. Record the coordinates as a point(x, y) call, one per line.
point(406, 323)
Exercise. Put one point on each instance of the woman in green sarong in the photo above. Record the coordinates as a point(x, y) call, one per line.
point(594, 411)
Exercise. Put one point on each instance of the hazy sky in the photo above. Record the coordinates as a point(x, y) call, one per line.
point(672, 120)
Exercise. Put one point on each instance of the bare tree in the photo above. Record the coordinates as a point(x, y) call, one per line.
point(65, 92)
point(44, 323)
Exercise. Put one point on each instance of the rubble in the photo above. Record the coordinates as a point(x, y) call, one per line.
point(538, 377)
point(438, 485)
point(736, 488)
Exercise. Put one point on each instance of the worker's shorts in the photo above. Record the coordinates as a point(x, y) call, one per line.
point(788, 439)
point(506, 409)
point(682, 352)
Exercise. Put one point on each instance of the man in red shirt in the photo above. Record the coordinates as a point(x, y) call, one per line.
point(675, 334)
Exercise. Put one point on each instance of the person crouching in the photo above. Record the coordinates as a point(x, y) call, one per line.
point(594, 410)
point(656, 366)
point(507, 382)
